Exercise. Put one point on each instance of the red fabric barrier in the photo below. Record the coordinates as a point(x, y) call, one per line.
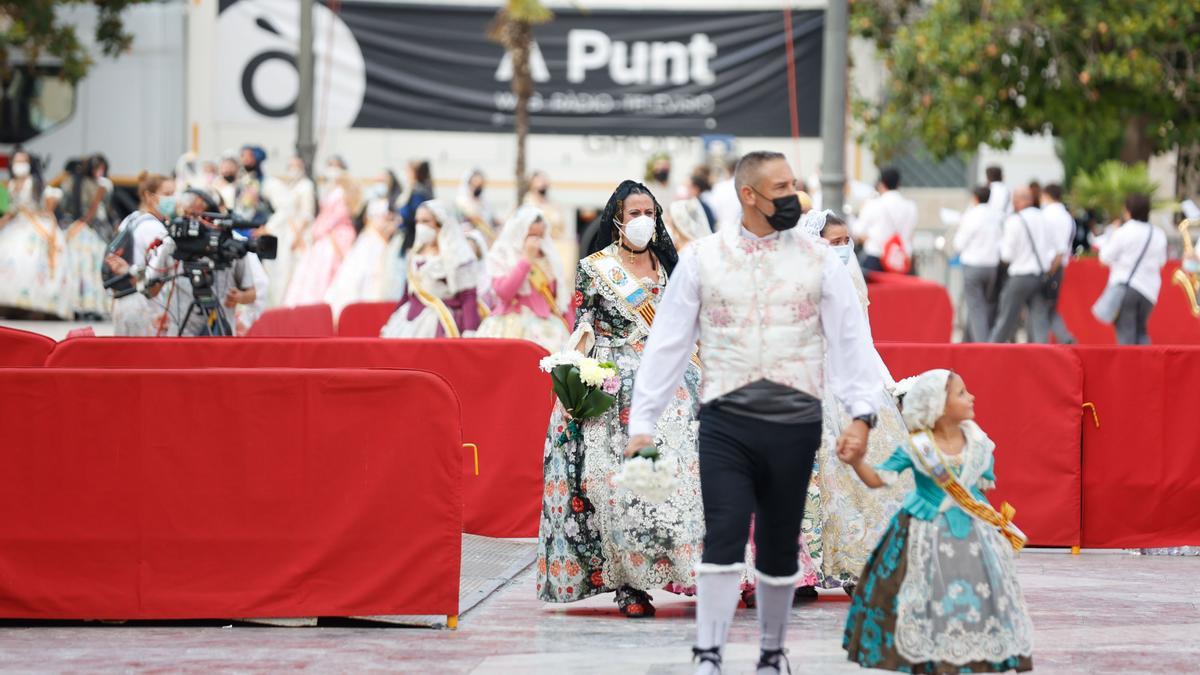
point(19, 348)
point(302, 321)
point(1028, 400)
point(1171, 322)
point(364, 319)
point(175, 494)
point(1141, 466)
point(506, 400)
point(895, 301)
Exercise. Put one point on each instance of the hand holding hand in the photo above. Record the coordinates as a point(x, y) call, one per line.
point(852, 444)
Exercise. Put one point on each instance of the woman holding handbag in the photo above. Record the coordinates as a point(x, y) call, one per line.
point(1135, 255)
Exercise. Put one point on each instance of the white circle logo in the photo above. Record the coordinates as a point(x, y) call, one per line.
point(257, 78)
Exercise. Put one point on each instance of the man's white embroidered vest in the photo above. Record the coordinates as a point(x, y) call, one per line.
point(760, 312)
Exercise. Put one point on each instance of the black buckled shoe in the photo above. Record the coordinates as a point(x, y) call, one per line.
point(707, 655)
point(770, 658)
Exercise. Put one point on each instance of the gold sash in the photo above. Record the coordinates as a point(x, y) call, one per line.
point(45, 233)
point(541, 284)
point(930, 457)
point(433, 302)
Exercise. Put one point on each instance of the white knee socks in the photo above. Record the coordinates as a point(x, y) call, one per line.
point(774, 595)
point(716, 600)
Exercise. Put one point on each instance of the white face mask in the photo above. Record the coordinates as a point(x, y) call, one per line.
point(425, 235)
point(20, 169)
point(844, 252)
point(333, 173)
point(295, 172)
point(638, 231)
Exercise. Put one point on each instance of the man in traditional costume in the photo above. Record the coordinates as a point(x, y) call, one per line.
point(765, 303)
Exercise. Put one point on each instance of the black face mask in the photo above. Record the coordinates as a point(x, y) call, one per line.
point(543, 191)
point(478, 191)
point(229, 177)
point(662, 175)
point(787, 212)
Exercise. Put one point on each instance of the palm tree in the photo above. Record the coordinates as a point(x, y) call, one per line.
point(513, 28)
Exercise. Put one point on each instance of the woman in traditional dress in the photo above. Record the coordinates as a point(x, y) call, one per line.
point(939, 594)
point(843, 519)
point(35, 262)
point(596, 538)
point(474, 207)
point(363, 277)
point(332, 236)
point(442, 277)
point(688, 222)
point(87, 250)
point(527, 282)
point(294, 200)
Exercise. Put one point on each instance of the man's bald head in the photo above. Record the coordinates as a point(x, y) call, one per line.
point(1022, 198)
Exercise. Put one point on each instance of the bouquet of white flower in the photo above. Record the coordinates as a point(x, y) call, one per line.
point(648, 476)
point(585, 386)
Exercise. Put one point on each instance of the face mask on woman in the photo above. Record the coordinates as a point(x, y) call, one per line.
point(20, 169)
point(166, 206)
point(425, 235)
point(638, 231)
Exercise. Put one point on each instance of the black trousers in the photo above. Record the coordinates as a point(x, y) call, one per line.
point(752, 467)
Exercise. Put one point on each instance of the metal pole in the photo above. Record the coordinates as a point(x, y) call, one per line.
point(306, 146)
point(833, 107)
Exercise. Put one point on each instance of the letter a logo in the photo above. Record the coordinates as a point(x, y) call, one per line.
point(537, 66)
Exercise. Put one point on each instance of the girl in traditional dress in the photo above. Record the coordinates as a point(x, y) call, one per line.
point(527, 282)
point(939, 594)
point(842, 519)
point(595, 538)
point(364, 276)
point(35, 262)
point(442, 275)
point(295, 205)
point(332, 236)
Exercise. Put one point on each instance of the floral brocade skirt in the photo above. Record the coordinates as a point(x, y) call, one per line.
point(929, 602)
point(596, 537)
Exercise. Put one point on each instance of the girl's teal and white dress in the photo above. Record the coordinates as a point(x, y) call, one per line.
point(940, 593)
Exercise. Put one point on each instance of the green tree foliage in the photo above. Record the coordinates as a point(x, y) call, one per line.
point(1106, 188)
point(1104, 76)
point(32, 28)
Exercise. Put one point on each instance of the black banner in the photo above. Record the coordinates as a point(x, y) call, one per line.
point(652, 72)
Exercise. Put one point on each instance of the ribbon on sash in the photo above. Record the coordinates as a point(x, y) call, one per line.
point(634, 298)
point(541, 283)
point(930, 457)
point(433, 302)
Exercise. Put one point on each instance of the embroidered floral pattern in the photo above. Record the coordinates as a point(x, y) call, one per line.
point(594, 537)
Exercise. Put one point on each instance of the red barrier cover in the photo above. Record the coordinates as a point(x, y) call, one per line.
point(1171, 322)
point(364, 319)
point(1141, 465)
point(19, 348)
point(1028, 400)
point(895, 301)
point(174, 494)
point(302, 321)
point(506, 400)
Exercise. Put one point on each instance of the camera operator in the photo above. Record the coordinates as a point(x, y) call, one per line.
point(232, 283)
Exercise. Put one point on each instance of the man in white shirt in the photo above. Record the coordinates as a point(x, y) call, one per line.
point(978, 245)
point(885, 221)
point(1060, 225)
point(772, 307)
point(1000, 197)
point(724, 200)
point(1135, 255)
point(1024, 246)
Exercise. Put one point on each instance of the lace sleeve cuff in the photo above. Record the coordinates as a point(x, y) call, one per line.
point(984, 484)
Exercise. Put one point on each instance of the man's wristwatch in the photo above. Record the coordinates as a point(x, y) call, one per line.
point(870, 420)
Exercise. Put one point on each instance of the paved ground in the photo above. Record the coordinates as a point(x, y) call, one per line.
point(1095, 613)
